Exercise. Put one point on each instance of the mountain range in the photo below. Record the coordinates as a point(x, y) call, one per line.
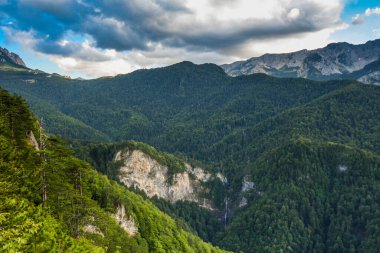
point(335, 61)
point(249, 163)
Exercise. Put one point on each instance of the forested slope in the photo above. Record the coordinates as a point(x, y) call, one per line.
point(166, 106)
point(309, 197)
point(51, 201)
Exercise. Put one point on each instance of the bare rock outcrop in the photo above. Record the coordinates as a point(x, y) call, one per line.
point(126, 222)
point(141, 171)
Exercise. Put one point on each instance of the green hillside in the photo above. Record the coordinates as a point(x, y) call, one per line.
point(199, 101)
point(347, 116)
point(309, 197)
point(53, 202)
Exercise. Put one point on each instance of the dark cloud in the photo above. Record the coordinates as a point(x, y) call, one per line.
point(115, 34)
point(135, 24)
point(70, 49)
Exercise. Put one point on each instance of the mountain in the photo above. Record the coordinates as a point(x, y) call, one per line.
point(166, 100)
point(10, 59)
point(335, 61)
point(54, 202)
point(299, 159)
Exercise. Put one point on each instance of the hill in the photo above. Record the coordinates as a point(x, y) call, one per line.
point(52, 201)
point(141, 104)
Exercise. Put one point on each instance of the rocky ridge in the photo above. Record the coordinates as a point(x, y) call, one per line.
point(10, 58)
point(335, 61)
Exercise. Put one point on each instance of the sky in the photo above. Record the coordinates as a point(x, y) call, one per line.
point(93, 38)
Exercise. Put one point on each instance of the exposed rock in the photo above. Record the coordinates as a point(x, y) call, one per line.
point(92, 229)
point(222, 178)
point(12, 58)
point(141, 171)
point(334, 61)
point(243, 202)
point(371, 78)
point(247, 185)
point(33, 141)
point(342, 168)
point(125, 222)
point(199, 173)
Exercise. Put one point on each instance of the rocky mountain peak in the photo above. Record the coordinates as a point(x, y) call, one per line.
point(335, 61)
point(10, 58)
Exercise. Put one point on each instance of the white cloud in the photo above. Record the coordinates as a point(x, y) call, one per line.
point(26, 38)
point(78, 67)
point(373, 11)
point(294, 13)
point(357, 19)
point(376, 32)
point(253, 18)
point(126, 62)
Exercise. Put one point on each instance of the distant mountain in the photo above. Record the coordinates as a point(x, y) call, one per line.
point(10, 59)
point(335, 61)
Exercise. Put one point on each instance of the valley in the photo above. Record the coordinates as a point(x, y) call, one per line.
point(251, 163)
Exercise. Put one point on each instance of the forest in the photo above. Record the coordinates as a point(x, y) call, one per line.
point(310, 149)
point(54, 202)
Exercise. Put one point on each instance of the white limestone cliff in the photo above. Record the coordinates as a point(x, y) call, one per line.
point(141, 171)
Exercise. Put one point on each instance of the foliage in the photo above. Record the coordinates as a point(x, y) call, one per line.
point(48, 197)
point(310, 197)
point(205, 223)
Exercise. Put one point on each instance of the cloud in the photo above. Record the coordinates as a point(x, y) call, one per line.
point(357, 19)
point(373, 11)
point(114, 34)
point(140, 29)
point(133, 24)
point(280, 45)
point(294, 13)
point(376, 32)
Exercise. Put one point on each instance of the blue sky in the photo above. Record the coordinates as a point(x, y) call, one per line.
point(358, 34)
point(92, 38)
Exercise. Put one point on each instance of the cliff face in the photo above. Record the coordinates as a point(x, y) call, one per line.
point(126, 223)
point(141, 171)
point(10, 58)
